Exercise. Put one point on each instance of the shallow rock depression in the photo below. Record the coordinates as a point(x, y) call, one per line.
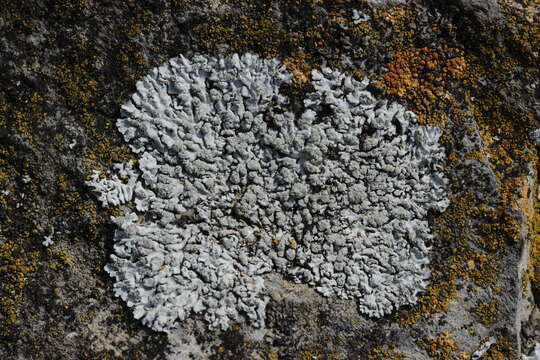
point(233, 182)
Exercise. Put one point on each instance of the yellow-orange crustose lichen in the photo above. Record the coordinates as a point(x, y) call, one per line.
point(533, 267)
point(487, 312)
point(502, 349)
point(420, 76)
point(443, 347)
point(299, 68)
point(15, 264)
point(384, 353)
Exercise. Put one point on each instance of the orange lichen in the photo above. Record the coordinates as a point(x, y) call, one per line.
point(442, 347)
point(487, 312)
point(420, 77)
point(15, 265)
point(24, 116)
point(393, 15)
point(251, 32)
point(299, 68)
point(533, 266)
point(502, 349)
point(77, 87)
point(384, 353)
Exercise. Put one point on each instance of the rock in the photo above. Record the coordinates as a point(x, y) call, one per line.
point(485, 11)
point(466, 68)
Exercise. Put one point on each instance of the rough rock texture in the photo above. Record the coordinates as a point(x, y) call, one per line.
point(67, 66)
point(482, 10)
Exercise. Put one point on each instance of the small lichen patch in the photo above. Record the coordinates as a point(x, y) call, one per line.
point(533, 266)
point(15, 264)
point(443, 347)
point(502, 349)
point(385, 353)
point(487, 312)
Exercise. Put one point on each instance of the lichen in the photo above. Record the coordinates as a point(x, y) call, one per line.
point(487, 313)
point(535, 353)
point(236, 186)
point(443, 347)
point(15, 264)
point(533, 267)
point(385, 353)
point(502, 349)
point(420, 76)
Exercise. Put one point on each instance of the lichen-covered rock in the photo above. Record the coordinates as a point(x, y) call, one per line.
point(68, 64)
point(232, 185)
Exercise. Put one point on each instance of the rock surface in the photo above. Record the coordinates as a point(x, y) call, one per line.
point(469, 68)
point(482, 10)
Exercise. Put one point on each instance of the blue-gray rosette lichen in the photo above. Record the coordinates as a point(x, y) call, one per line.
point(233, 182)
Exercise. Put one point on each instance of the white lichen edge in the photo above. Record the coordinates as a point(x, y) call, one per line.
point(231, 185)
point(535, 136)
point(534, 355)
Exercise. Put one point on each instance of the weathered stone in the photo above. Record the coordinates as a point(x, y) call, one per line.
point(467, 67)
